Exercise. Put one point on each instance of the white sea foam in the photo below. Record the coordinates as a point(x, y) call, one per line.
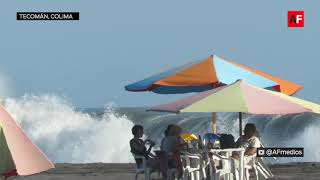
point(309, 140)
point(66, 135)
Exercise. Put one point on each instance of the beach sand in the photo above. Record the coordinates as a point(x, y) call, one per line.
point(107, 171)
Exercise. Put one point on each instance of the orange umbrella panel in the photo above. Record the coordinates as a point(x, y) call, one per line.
point(207, 74)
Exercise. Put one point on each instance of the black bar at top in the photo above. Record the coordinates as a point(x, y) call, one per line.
point(47, 16)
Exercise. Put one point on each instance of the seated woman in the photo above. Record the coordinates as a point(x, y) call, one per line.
point(173, 143)
point(172, 146)
point(166, 134)
point(138, 146)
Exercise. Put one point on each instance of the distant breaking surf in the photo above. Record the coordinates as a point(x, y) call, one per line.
point(67, 134)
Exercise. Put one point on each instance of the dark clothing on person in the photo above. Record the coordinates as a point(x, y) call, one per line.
point(227, 141)
point(138, 148)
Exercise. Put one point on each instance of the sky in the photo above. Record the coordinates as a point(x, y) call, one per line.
point(119, 42)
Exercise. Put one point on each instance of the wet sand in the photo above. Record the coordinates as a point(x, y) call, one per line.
point(107, 171)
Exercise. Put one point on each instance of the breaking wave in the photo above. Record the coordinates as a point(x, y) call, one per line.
point(68, 134)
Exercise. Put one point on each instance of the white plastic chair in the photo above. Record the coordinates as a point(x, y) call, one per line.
point(251, 166)
point(257, 168)
point(265, 172)
point(228, 170)
point(188, 169)
point(147, 171)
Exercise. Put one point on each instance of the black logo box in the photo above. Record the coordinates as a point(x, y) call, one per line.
point(265, 153)
point(43, 16)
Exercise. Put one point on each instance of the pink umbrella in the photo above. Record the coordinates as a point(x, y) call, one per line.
point(17, 151)
point(240, 97)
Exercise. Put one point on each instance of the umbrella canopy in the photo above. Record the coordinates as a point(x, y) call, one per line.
point(17, 151)
point(240, 97)
point(207, 74)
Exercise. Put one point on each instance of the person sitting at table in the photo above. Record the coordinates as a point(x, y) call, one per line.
point(138, 147)
point(166, 134)
point(249, 142)
point(173, 142)
point(172, 146)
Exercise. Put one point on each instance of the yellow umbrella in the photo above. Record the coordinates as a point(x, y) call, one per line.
point(187, 137)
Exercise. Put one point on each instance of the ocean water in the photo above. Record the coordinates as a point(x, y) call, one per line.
point(69, 134)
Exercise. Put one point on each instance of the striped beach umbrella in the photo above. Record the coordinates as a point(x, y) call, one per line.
point(207, 74)
point(240, 97)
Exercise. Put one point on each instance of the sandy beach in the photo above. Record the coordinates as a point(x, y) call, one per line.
point(107, 171)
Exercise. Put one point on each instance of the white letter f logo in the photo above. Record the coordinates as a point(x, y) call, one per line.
point(298, 18)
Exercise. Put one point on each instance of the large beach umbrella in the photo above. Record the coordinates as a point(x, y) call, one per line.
point(240, 97)
point(207, 74)
point(18, 155)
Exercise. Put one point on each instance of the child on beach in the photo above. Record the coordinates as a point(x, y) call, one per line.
point(138, 146)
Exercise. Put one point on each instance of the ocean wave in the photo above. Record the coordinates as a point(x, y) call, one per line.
point(68, 134)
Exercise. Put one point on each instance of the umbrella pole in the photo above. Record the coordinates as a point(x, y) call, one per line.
point(242, 152)
point(214, 123)
point(240, 127)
